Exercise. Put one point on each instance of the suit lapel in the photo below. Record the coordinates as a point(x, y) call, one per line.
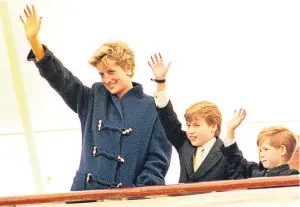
point(210, 161)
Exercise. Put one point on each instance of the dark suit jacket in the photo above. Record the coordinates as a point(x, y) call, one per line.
point(215, 165)
point(239, 167)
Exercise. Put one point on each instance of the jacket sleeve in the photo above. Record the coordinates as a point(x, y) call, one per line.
point(171, 125)
point(290, 172)
point(157, 159)
point(238, 167)
point(69, 87)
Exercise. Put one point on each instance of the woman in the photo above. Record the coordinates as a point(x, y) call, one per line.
point(123, 143)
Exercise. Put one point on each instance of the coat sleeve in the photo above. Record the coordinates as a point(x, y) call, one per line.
point(69, 87)
point(290, 172)
point(238, 167)
point(171, 125)
point(157, 160)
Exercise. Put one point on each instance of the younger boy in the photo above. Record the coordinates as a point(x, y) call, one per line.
point(276, 146)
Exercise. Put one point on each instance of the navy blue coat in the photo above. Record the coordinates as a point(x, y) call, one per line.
point(239, 167)
point(123, 142)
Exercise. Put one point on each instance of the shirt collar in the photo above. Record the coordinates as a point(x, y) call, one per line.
point(208, 145)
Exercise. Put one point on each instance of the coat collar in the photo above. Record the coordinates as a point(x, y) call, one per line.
point(136, 91)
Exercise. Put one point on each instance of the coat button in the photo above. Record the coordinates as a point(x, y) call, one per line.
point(94, 151)
point(127, 131)
point(88, 177)
point(99, 125)
point(120, 159)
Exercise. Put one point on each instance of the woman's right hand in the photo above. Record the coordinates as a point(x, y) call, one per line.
point(32, 24)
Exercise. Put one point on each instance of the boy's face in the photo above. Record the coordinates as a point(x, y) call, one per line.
point(114, 78)
point(269, 156)
point(198, 131)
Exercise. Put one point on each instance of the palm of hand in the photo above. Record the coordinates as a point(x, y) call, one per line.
point(235, 122)
point(237, 119)
point(31, 27)
point(159, 69)
point(32, 24)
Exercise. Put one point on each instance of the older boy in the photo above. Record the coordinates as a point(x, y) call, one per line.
point(198, 147)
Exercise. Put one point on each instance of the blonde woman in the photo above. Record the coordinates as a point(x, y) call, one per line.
point(123, 143)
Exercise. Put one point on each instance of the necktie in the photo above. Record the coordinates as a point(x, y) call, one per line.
point(198, 158)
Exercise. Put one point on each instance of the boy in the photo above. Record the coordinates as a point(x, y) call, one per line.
point(276, 146)
point(198, 147)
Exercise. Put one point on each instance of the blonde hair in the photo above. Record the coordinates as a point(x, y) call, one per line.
point(208, 111)
point(117, 52)
point(277, 136)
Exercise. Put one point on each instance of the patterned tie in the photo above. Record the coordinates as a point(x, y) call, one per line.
point(198, 158)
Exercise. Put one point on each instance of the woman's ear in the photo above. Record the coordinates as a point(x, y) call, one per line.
point(129, 73)
point(129, 70)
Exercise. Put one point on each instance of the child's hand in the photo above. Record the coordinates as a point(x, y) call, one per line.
point(236, 119)
point(159, 69)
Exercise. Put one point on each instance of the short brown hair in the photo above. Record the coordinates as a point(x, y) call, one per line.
point(117, 52)
point(209, 111)
point(277, 136)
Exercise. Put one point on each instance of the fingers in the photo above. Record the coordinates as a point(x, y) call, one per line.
point(241, 113)
point(244, 114)
point(26, 14)
point(33, 10)
point(160, 57)
point(28, 9)
point(157, 61)
point(152, 60)
point(156, 57)
point(21, 19)
point(40, 21)
point(169, 65)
